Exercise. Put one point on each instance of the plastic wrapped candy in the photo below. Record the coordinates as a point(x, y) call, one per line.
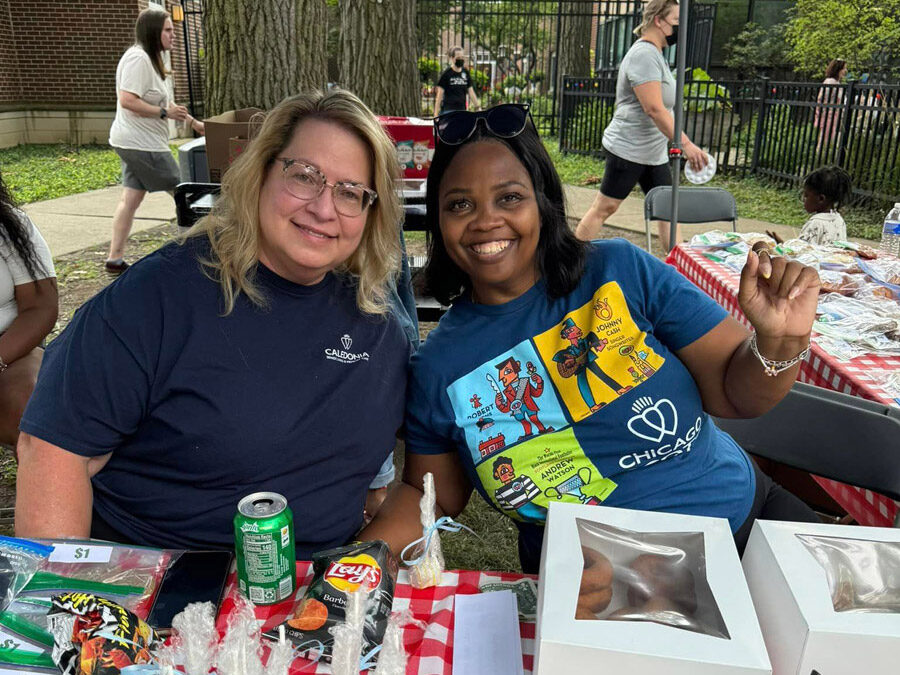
point(646, 576)
point(239, 652)
point(348, 635)
point(392, 659)
point(281, 655)
point(863, 576)
point(94, 636)
point(429, 565)
point(839, 282)
point(196, 635)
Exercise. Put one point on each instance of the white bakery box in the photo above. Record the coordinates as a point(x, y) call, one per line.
point(840, 621)
point(721, 637)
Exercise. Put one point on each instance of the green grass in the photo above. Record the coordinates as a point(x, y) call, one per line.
point(494, 548)
point(37, 172)
point(756, 198)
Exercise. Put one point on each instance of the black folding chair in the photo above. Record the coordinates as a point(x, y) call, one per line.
point(830, 434)
point(695, 205)
point(194, 200)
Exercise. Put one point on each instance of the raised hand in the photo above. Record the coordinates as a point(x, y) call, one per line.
point(778, 297)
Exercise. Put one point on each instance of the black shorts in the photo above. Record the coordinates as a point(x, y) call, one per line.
point(622, 175)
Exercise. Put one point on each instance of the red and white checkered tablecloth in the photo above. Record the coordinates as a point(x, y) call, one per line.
point(856, 377)
point(430, 650)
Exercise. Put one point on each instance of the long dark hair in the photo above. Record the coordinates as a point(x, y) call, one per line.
point(15, 232)
point(561, 256)
point(834, 68)
point(148, 35)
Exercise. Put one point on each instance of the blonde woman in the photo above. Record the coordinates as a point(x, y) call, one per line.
point(258, 355)
point(643, 123)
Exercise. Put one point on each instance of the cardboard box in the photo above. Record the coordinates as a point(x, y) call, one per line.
point(219, 132)
point(802, 630)
point(235, 147)
point(565, 645)
point(414, 141)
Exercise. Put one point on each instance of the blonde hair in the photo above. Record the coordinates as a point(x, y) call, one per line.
point(233, 225)
point(653, 9)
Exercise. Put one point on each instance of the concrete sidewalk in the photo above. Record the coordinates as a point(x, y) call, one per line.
point(630, 216)
point(79, 221)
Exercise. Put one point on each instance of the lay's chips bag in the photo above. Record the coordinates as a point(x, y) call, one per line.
point(336, 573)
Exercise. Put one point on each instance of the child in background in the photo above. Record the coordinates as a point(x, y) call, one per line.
point(824, 191)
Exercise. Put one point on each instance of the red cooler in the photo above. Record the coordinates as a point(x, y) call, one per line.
point(414, 140)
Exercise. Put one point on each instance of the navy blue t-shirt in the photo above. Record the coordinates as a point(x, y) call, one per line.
point(303, 398)
point(581, 398)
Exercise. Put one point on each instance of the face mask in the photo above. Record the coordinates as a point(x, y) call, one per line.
point(459, 62)
point(673, 38)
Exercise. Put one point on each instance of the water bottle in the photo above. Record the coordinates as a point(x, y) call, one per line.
point(890, 234)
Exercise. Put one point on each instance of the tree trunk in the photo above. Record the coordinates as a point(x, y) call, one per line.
point(575, 40)
point(259, 52)
point(378, 54)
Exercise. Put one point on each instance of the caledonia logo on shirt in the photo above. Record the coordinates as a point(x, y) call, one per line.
point(653, 422)
point(344, 355)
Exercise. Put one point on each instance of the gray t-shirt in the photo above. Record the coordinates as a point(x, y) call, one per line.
point(632, 135)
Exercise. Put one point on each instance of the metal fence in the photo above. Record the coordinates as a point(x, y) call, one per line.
point(193, 55)
point(780, 130)
point(519, 50)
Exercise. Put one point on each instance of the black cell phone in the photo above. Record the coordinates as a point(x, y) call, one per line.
point(196, 576)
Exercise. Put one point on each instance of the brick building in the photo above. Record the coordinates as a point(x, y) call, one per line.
point(58, 65)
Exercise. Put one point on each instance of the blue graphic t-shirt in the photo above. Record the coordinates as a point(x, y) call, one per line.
point(581, 398)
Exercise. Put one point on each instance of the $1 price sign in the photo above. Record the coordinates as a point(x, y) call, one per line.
point(80, 553)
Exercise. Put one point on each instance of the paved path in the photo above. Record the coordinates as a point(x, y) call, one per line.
point(83, 220)
point(72, 223)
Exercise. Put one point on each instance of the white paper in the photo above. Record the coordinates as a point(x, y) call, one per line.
point(80, 553)
point(486, 638)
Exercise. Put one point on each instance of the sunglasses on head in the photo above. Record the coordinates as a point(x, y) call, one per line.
point(503, 121)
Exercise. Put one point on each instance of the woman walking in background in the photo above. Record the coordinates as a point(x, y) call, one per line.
point(455, 85)
point(140, 131)
point(827, 115)
point(636, 139)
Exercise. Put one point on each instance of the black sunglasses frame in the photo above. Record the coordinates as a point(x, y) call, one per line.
point(476, 117)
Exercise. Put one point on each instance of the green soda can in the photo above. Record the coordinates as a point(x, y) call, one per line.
point(264, 544)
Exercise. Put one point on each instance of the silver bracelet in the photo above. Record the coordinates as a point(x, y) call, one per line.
point(773, 368)
point(3, 364)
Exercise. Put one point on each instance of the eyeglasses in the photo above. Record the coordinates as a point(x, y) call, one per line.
point(504, 121)
point(307, 182)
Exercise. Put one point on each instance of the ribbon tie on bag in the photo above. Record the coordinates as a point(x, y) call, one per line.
point(447, 524)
